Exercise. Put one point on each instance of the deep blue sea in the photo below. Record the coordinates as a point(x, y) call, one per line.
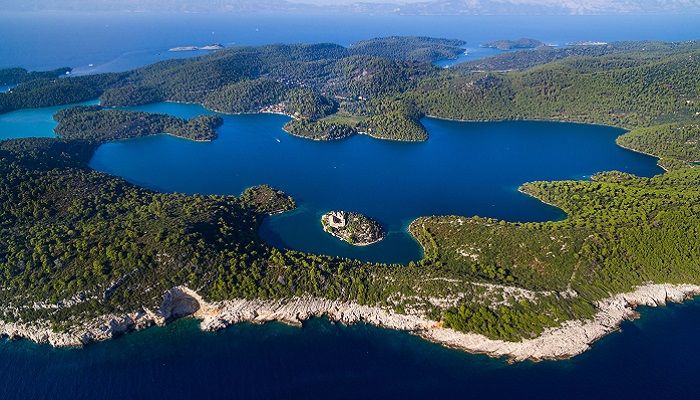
point(652, 358)
point(464, 168)
point(115, 42)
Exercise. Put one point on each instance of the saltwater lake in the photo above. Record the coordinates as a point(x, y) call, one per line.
point(464, 168)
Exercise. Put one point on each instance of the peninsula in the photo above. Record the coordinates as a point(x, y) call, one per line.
point(85, 256)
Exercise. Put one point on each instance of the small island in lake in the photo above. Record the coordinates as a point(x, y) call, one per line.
point(519, 44)
point(353, 228)
point(267, 200)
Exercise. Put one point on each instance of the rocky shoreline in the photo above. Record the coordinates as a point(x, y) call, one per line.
point(566, 341)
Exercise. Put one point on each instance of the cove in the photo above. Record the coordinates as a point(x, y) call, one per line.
point(463, 169)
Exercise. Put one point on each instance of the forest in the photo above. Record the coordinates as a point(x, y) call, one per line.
point(95, 123)
point(14, 76)
point(677, 145)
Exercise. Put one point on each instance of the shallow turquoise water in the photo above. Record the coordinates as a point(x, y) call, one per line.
point(31, 123)
point(463, 169)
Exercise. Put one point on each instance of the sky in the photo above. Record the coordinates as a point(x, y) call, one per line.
point(448, 7)
point(336, 2)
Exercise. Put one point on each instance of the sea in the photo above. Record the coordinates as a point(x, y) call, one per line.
point(464, 168)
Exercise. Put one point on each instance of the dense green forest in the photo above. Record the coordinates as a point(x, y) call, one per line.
point(517, 44)
point(324, 129)
point(521, 60)
point(247, 96)
point(621, 231)
point(678, 145)
point(14, 76)
point(52, 92)
point(130, 95)
point(626, 88)
point(416, 48)
point(97, 124)
point(94, 244)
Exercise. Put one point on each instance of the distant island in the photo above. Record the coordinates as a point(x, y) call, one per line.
point(353, 228)
point(209, 47)
point(523, 43)
point(587, 43)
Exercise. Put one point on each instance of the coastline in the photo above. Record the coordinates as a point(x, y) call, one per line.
point(658, 158)
point(560, 121)
point(362, 244)
point(521, 190)
point(292, 117)
point(566, 341)
point(179, 137)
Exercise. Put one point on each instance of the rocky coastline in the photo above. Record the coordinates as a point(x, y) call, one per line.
point(566, 341)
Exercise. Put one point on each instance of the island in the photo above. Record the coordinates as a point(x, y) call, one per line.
point(209, 47)
point(519, 44)
point(268, 200)
point(587, 43)
point(86, 256)
point(351, 227)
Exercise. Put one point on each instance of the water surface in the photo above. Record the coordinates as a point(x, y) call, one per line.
point(122, 41)
point(36, 122)
point(463, 169)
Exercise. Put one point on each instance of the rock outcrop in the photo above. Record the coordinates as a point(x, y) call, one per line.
point(179, 302)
